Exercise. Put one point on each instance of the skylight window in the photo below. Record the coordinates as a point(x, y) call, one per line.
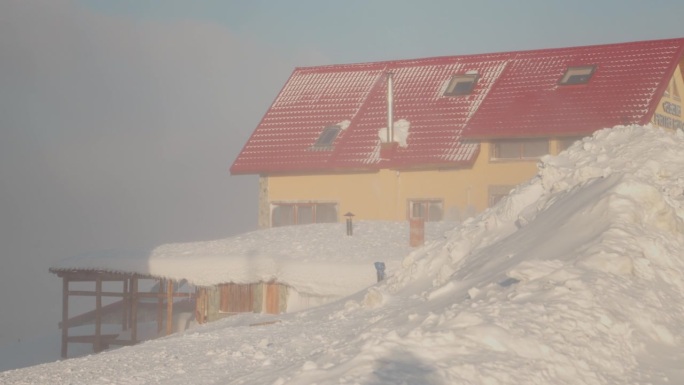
point(577, 75)
point(327, 137)
point(462, 84)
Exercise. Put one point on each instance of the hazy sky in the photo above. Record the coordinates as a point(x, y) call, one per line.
point(119, 119)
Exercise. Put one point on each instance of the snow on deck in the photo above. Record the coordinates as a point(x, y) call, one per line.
point(316, 259)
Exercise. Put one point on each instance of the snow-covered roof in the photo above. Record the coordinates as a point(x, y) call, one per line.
point(517, 94)
point(315, 258)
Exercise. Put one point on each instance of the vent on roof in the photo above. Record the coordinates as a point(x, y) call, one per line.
point(577, 75)
point(328, 136)
point(461, 84)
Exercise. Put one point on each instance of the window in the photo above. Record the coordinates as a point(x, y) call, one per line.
point(285, 214)
point(461, 85)
point(577, 75)
point(565, 143)
point(430, 210)
point(328, 136)
point(497, 192)
point(520, 149)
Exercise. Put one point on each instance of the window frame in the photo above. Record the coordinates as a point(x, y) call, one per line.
point(452, 88)
point(495, 151)
point(577, 75)
point(327, 137)
point(425, 204)
point(295, 215)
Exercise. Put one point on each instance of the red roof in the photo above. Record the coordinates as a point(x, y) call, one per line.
point(517, 94)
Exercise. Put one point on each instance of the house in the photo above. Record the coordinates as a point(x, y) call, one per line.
point(137, 295)
point(463, 130)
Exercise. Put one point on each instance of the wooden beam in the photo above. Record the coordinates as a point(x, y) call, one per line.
point(85, 293)
point(162, 295)
point(169, 307)
point(93, 338)
point(201, 305)
point(124, 306)
point(65, 315)
point(90, 275)
point(160, 306)
point(88, 316)
point(134, 309)
point(97, 346)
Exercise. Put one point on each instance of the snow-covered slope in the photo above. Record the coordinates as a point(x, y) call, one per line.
point(577, 277)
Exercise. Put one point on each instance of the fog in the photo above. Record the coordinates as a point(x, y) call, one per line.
point(117, 133)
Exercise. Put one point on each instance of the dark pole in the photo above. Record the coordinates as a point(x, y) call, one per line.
point(350, 229)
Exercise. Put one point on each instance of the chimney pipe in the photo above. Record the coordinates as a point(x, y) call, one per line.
point(390, 109)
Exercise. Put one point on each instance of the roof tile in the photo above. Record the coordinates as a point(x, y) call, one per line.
point(517, 95)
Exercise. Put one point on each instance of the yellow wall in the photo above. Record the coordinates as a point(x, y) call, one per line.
point(669, 111)
point(384, 195)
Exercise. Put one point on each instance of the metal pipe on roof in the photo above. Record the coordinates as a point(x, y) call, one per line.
point(390, 109)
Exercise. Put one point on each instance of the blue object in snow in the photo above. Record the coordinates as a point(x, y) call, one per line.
point(380, 267)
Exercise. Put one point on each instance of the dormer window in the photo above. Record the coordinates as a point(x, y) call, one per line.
point(328, 136)
point(462, 84)
point(577, 75)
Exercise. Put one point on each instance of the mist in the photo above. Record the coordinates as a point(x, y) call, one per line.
point(117, 133)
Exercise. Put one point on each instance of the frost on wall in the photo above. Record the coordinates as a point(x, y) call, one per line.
point(401, 132)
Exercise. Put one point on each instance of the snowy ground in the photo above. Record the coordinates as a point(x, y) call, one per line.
point(574, 278)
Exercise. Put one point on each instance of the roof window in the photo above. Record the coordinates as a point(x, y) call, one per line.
point(328, 136)
point(461, 84)
point(577, 75)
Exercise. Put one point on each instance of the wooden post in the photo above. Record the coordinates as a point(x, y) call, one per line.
point(134, 309)
point(416, 232)
point(125, 301)
point(160, 306)
point(98, 314)
point(65, 315)
point(272, 298)
point(201, 305)
point(169, 307)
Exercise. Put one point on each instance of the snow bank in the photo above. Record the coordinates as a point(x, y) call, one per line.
point(577, 277)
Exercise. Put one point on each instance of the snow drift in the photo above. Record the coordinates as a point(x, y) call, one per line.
point(575, 278)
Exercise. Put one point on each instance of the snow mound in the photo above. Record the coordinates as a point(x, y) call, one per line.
point(577, 277)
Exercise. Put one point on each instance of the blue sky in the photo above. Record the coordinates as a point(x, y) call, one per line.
point(119, 119)
point(357, 30)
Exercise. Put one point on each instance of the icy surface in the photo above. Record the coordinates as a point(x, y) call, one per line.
point(577, 277)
